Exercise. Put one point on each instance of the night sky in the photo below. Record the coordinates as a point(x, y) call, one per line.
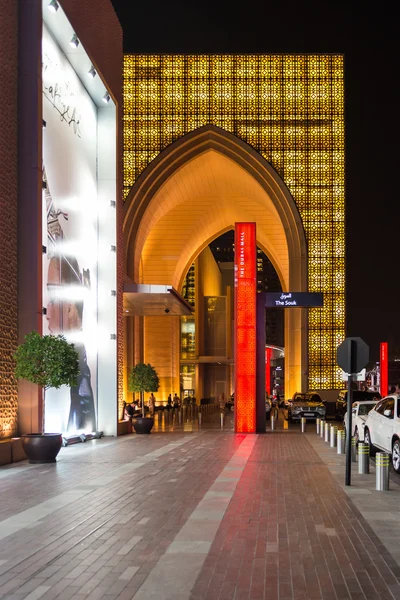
point(365, 33)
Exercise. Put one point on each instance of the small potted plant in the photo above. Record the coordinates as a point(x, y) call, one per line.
point(143, 378)
point(48, 361)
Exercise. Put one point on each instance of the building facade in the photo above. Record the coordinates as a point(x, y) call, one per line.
point(289, 110)
point(60, 179)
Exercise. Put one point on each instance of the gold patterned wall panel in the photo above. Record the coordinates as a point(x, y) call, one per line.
point(290, 108)
point(8, 218)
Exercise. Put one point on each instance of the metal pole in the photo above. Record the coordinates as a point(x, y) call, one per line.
point(333, 436)
point(180, 416)
point(382, 472)
point(317, 425)
point(340, 442)
point(363, 458)
point(222, 420)
point(353, 449)
point(199, 419)
point(349, 429)
point(303, 424)
point(321, 430)
point(272, 423)
point(327, 432)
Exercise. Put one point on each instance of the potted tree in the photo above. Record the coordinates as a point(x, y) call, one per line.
point(143, 378)
point(47, 361)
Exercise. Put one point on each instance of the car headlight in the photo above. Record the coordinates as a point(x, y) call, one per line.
point(321, 409)
point(296, 410)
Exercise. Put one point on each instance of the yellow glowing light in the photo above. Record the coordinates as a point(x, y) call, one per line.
point(290, 108)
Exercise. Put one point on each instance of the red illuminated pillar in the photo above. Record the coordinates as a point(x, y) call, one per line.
point(245, 327)
point(268, 354)
point(384, 370)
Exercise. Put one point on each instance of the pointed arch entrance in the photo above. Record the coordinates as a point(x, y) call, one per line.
point(193, 191)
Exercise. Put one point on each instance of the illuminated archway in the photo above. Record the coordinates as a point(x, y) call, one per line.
point(191, 192)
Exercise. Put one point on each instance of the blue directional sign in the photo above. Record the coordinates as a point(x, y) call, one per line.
point(294, 299)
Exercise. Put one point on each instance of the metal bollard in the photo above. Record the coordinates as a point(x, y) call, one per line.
point(199, 415)
point(382, 472)
point(363, 458)
point(353, 449)
point(317, 424)
point(341, 449)
point(333, 436)
point(272, 423)
point(321, 430)
point(222, 420)
point(327, 432)
point(180, 416)
point(303, 424)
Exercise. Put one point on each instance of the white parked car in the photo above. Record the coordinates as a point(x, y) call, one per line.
point(382, 429)
point(360, 411)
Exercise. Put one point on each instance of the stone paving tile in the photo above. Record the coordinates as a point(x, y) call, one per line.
point(288, 530)
point(112, 527)
point(291, 532)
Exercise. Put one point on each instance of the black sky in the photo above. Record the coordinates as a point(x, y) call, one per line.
point(367, 34)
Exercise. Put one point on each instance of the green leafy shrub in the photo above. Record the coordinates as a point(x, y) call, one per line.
point(143, 378)
point(49, 361)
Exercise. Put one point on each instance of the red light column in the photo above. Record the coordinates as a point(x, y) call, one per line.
point(268, 354)
point(384, 369)
point(245, 327)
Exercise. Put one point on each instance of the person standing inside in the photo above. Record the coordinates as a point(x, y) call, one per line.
point(176, 402)
point(169, 402)
point(152, 404)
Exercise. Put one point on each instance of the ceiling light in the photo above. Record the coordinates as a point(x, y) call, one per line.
point(106, 98)
point(74, 42)
point(53, 6)
point(92, 72)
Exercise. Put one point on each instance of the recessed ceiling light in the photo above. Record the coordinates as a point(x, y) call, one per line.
point(106, 98)
point(74, 42)
point(92, 72)
point(53, 6)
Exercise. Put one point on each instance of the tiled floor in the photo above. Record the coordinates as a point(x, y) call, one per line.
point(197, 513)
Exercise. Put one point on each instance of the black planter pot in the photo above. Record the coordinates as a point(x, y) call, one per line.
point(143, 424)
point(41, 447)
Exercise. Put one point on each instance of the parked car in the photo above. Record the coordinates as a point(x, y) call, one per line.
point(382, 429)
point(358, 396)
point(308, 405)
point(360, 412)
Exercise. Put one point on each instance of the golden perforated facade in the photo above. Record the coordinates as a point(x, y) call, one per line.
point(290, 108)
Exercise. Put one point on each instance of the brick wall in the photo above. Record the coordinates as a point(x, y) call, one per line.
point(8, 213)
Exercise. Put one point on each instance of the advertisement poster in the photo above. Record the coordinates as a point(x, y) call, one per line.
point(70, 235)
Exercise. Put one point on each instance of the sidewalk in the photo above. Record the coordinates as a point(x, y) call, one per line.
point(196, 515)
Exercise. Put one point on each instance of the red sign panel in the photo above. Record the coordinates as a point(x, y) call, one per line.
point(245, 328)
point(268, 354)
point(384, 373)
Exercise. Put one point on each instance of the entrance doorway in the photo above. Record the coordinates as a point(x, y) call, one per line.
point(193, 193)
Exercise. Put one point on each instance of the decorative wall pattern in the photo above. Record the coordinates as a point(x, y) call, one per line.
point(8, 217)
point(290, 108)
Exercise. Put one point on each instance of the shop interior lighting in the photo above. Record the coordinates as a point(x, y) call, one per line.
point(53, 6)
point(106, 98)
point(92, 72)
point(74, 42)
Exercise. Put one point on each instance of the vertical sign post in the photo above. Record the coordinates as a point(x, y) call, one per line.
point(268, 354)
point(245, 329)
point(384, 372)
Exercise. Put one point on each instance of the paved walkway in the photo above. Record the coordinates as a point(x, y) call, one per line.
point(199, 514)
